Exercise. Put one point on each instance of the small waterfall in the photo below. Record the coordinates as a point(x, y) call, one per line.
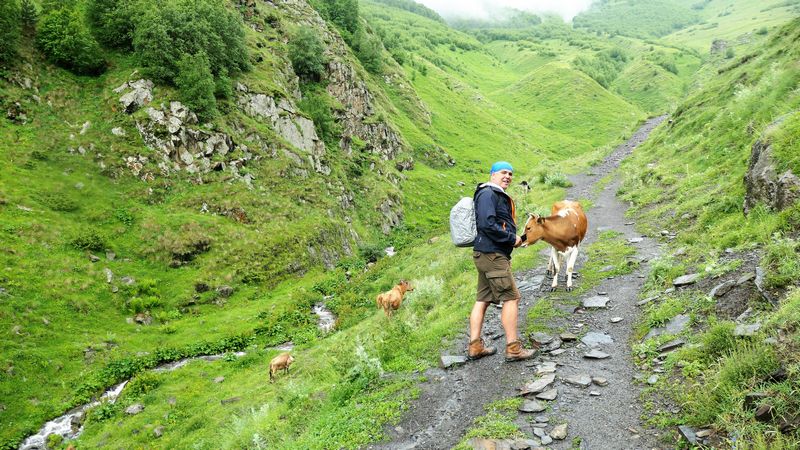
point(327, 320)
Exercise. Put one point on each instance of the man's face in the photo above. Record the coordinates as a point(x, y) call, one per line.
point(502, 178)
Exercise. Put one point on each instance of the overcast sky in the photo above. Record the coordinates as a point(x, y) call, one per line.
point(485, 9)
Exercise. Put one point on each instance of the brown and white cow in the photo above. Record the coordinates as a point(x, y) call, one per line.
point(564, 230)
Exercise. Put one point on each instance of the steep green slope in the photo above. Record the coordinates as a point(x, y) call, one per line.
point(688, 178)
point(736, 22)
point(571, 103)
point(274, 227)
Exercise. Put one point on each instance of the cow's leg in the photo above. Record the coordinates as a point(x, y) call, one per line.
point(557, 266)
point(573, 256)
point(551, 262)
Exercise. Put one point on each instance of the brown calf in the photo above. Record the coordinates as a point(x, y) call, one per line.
point(391, 299)
point(282, 361)
point(564, 230)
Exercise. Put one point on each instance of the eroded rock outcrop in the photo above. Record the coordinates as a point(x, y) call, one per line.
point(284, 118)
point(180, 145)
point(763, 182)
point(359, 116)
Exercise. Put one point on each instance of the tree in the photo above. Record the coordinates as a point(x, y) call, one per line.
point(29, 16)
point(66, 41)
point(196, 85)
point(369, 52)
point(112, 22)
point(166, 31)
point(344, 13)
point(305, 52)
point(9, 30)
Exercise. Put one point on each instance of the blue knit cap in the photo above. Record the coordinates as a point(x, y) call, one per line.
point(501, 165)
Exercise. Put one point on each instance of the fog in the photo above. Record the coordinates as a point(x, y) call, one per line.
point(489, 9)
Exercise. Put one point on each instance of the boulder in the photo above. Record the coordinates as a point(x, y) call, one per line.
point(140, 94)
point(763, 182)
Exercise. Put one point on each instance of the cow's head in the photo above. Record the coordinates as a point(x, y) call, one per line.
point(406, 286)
point(533, 228)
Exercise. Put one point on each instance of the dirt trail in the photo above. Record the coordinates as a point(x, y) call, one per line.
point(452, 398)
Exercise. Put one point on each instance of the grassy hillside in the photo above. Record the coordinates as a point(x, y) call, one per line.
point(737, 22)
point(219, 265)
point(688, 178)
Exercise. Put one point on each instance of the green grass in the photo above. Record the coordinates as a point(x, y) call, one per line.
point(68, 335)
point(688, 178)
point(497, 423)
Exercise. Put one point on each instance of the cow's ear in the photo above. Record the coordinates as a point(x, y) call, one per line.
point(540, 220)
point(530, 214)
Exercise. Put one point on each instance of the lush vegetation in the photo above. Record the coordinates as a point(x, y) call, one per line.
point(751, 98)
point(638, 18)
point(217, 266)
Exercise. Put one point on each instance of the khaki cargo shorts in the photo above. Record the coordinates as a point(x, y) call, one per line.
point(495, 281)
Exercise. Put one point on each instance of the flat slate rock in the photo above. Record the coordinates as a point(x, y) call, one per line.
point(674, 326)
point(671, 345)
point(596, 354)
point(598, 301)
point(538, 385)
point(635, 240)
point(568, 337)
point(448, 361)
point(581, 380)
point(746, 330)
point(616, 319)
point(646, 301)
point(686, 280)
point(595, 339)
point(532, 406)
point(722, 288)
point(557, 352)
point(545, 368)
point(688, 434)
point(542, 338)
point(549, 394)
point(600, 381)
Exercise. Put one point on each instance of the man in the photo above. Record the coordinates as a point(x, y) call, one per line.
point(496, 238)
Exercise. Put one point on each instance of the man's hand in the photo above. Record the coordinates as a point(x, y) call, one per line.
point(518, 243)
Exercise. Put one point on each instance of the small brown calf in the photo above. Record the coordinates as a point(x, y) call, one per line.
point(391, 299)
point(282, 361)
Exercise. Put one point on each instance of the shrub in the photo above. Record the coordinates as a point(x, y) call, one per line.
point(112, 22)
point(65, 40)
point(142, 384)
point(89, 239)
point(305, 52)
point(166, 31)
point(59, 201)
point(196, 85)
point(368, 50)
point(29, 15)
point(9, 30)
point(316, 104)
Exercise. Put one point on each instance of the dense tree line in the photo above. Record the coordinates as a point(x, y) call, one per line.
point(193, 44)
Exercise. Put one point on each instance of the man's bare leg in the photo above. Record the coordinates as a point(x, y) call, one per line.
point(476, 320)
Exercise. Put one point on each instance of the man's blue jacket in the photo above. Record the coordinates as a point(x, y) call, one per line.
point(495, 217)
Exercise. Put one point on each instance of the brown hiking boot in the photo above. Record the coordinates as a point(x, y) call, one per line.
point(515, 352)
point(476, 349)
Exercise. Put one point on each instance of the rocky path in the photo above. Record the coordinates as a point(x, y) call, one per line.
point(597, 399)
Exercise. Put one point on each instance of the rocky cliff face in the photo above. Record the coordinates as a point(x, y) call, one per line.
point(763, 182)
point(358, 117)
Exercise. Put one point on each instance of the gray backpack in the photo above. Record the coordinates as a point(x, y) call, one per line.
point(462, 223)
